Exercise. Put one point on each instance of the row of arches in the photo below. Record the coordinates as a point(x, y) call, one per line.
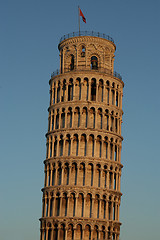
point(84, 118)
point(83, 145)
point(80, 205)
point(87, 89)
point(69, 231)
point(82, 174)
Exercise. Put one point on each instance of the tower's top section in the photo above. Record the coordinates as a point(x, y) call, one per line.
point(87, 51)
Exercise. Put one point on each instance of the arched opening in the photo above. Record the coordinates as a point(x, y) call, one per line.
point(55, 147)
point(117, 99)
point(62, 232)
point(78, 88)
point(49, 231)
point(68, 145)
point(69, 117)
point(61, 146)
point(90, 174)
point(92, 118)
point(93, 89)
point(96, 206)
point(87, 232)
point(64, 204)
point(79, 232)
point(70, 233)
point(85, 89)
point(72, 204)
point(94, 62)
point(57, 119)
point(99, 146)
point(100, 118)
point(55, 232)
point(58, 92)
point(80, 205)
point(85, 117)
point(95, 233)
point(109, 209)
point(70, 90)
point(73, 176)
point(72, 62)
point(77, 117)
point(53, 176)
point(100, 90)
point(63, 90)
point(66, 174)
point(57, 204)
point(50, 155)
point(98, 173)
point(83, 146)
point(75, 145)
point(81, 176)
point(59, 174)
point(105, 176)
point(83, 51)
point(104, 207)
point(103, 234)
point(89, 205)
point(52, 121)
point(63, 118)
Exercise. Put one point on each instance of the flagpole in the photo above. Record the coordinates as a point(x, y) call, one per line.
point(79, 20)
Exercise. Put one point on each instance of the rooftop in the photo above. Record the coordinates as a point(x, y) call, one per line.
point(86, 33)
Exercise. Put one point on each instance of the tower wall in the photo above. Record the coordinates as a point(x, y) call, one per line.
point(81, 194)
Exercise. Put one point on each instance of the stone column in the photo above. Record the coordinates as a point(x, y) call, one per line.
point(52, 234)
point(91, 233)
point(83, 233)
point(58, 233)
point(47, 233)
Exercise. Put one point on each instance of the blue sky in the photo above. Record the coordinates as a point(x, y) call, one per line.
point(29, 35)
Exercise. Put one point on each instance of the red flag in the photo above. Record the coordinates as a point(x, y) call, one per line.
point(81, 14)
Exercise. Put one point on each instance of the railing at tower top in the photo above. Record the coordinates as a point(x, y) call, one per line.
point(86, 33)
point(84, 68)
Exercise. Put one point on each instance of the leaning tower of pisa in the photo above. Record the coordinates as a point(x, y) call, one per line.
point(81, 194)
